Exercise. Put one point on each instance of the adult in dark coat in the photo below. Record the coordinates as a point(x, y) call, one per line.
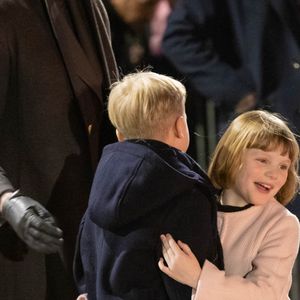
point(56, 64)
point(239, 53)
point(143, 188)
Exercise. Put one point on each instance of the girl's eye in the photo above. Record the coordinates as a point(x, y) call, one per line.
point(262, 160)
point(284, 167)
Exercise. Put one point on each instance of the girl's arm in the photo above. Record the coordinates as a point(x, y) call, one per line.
point(270, 278)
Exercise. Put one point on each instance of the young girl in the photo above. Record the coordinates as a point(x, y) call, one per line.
point(255, 167)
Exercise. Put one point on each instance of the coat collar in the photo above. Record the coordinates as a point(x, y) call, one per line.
point(84, 51)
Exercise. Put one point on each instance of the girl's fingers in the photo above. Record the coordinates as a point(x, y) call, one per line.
point(185, 247)
point(164, 241)
point(161, 264)
point(165, 254)
point(164, 268)
point(166, 245)
point(172, 243)
point(171, 248)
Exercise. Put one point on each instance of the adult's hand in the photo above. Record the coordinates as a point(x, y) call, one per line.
point(33, 224)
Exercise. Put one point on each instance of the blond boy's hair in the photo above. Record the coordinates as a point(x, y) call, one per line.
point(254, 129)
point(143, 104)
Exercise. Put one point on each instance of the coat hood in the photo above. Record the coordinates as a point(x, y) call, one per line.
point(137, 177)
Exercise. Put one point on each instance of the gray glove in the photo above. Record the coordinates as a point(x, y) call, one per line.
point(33, 224)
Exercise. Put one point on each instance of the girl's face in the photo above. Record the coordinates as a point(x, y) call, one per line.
point(261, 176)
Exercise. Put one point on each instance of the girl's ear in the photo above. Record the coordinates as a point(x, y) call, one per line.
point(120, 136)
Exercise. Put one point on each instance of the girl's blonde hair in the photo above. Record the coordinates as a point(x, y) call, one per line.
point(142, 104)
point(254, 129)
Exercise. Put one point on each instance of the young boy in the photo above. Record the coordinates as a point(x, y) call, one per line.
point(144, 185)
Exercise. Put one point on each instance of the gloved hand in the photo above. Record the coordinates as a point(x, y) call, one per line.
point(33, 224)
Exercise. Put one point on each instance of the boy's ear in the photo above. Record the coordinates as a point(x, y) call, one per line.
point(120, 136)
point(179, 127)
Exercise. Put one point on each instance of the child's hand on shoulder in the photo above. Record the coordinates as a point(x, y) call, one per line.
point(182, 265)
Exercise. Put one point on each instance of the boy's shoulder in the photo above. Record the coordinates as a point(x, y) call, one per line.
point(159, 157)
point(128, 146)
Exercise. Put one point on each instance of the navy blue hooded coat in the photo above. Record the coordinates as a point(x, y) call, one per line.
point(142, 189)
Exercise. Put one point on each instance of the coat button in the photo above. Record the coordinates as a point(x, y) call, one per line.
point(296, 65)
point(90, 128)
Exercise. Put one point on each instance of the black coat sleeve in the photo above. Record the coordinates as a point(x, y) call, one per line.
point(189, 43)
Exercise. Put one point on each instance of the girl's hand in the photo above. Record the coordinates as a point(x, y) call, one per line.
point(182, 265)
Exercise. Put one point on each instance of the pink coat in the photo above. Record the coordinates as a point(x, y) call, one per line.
point(260, 246)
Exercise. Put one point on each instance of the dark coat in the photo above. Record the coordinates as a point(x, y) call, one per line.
point(143, 189)
point(230, 48)
point(52, 123)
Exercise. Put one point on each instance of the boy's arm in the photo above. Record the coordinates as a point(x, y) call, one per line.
point(189, 219)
